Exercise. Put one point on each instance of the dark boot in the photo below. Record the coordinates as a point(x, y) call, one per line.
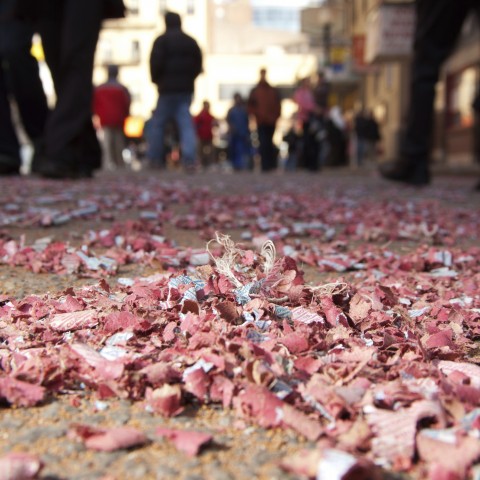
point(9, 165)
point(412, 173)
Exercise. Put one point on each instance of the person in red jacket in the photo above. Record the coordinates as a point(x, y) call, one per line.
point(205, 122)
point(111, 106)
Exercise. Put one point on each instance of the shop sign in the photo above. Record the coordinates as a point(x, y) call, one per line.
point(359, 65)
point(390, 30)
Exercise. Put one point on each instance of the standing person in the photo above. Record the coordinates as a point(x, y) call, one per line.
point(238, 133)
point(175, 63)
point(438, 27)
point(19, 79)
point(361, 134)
point(205, 122)
point(111, 105)
point(69, 31)
point(320, 147)
point(372, 136)
point(303, 97)
point(292, 139)
point(264, 104)
point(321, 92)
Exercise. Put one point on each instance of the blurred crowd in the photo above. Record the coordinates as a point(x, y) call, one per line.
point(91, 127)
point(249, 137)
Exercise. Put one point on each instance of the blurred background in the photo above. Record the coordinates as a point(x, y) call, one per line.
point(362, 46)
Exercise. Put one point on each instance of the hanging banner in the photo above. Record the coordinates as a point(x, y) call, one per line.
point(390, 30)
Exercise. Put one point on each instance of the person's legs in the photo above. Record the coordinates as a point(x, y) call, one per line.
point(69, 31)
point(118, 147)
point(186, 129)
point(361, 147)
point(266, 147)
point(9, 145)
point(238, 152)
point(155, 148)
point(24, 81)
point(439, 23)
point(476, 107)
point(108, 149)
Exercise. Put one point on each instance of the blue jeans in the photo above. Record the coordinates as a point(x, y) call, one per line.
point(239, 148)
point(172, 106)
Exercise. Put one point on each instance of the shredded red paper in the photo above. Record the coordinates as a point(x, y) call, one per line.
point(366, 364)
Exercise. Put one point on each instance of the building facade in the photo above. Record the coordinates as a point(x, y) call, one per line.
point(381, 33)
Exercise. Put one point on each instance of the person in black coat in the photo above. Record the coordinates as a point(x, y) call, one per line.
point(438, 27)
point(175, 63)
point(19, 79)
point(69, 31)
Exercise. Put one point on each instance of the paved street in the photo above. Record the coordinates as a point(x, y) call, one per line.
point(239, 325)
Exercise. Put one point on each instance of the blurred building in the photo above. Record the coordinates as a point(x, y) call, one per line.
point(234, 50)
point(327, 27)
point(381, 34)
point(461, 76)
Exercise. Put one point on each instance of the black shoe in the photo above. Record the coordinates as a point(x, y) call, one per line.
point(416, 174)
point(9, 165)
point(64, 165)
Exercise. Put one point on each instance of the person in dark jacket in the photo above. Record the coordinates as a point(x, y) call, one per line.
point(175, 63)
point(438, 27)
point(20, 80)
point(69, 31)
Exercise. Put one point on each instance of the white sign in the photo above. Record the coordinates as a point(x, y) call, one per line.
point(390, 30)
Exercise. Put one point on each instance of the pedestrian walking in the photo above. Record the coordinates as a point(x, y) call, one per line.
point(175, 63)
point(360, 129)
point(69, 31)
point(438, 27)
point(111, 105)
point(205, 123)
point(306, 109)
point(321, 91)
point(372, 136)
point(239, 146)
point(293, 141)
point(317, 151)
point(367, 135)
point(265, 106)
point(19, 81)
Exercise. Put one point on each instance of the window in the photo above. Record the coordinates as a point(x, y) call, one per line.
point(135, 51)
point(133, 7)
point(162, 6)
point(105, 48)
point(227, 90)
point(461, 89)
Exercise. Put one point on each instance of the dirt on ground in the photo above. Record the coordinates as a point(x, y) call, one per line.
point(239, 450)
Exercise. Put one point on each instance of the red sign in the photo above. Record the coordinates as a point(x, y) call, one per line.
point(360, 65)
point(358, 52)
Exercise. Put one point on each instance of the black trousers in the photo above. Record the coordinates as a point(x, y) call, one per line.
point(69, 31)
point(439, 23)
point(267, 150)
point(19, 80)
